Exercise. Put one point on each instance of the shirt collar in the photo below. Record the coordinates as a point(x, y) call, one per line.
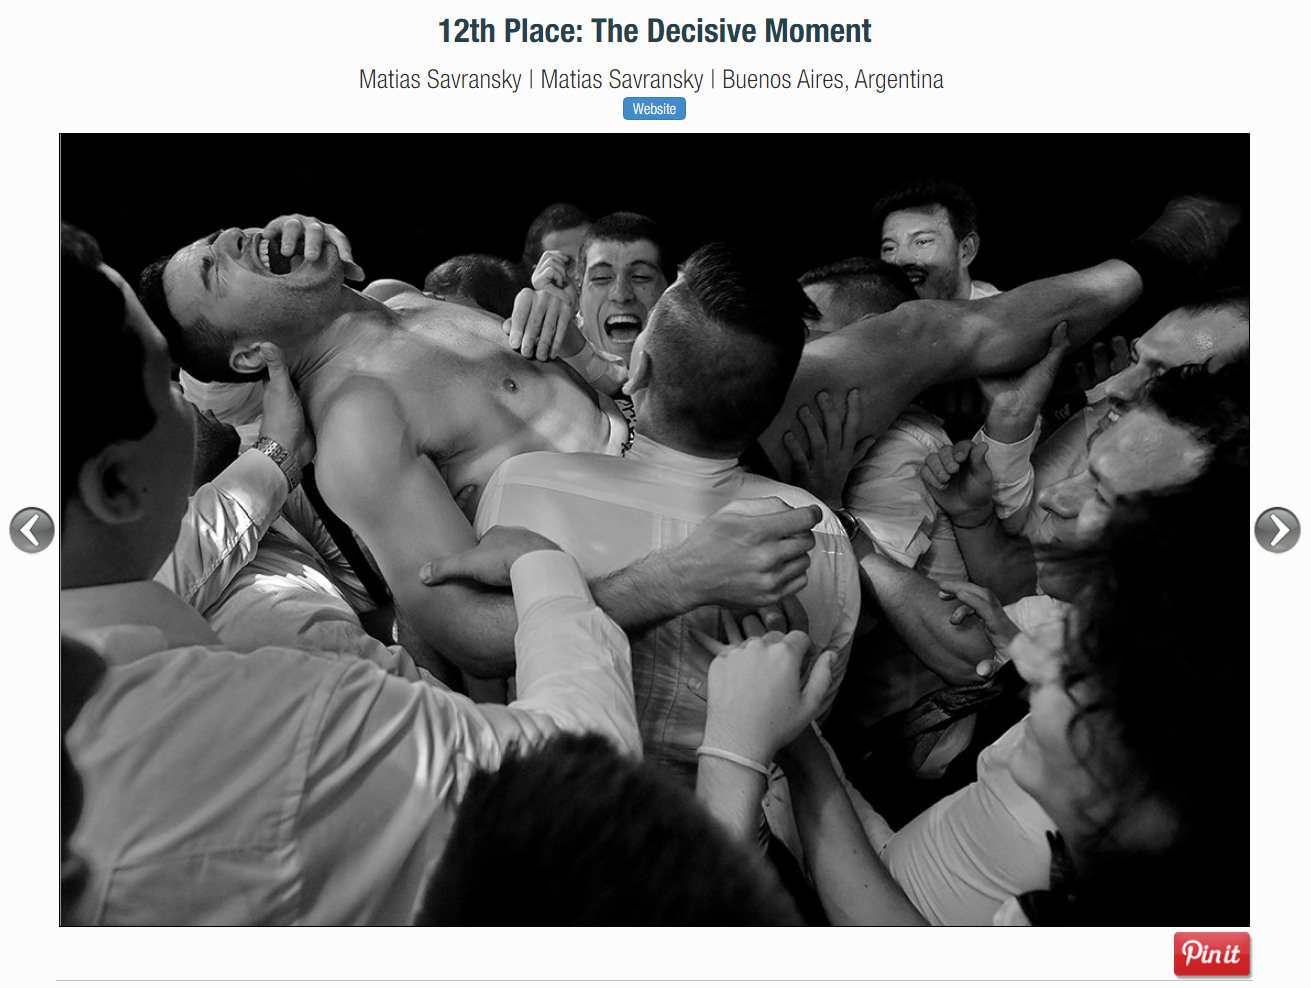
point(647, 450)
point(140, 618)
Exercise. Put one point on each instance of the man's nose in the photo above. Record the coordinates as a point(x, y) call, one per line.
point(1066, 498)
point(1127, 386)
point(901, 256)
point(621, 289)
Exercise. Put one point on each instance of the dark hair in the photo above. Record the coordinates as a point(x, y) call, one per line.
point(727, 344)
point(1231, 299)
point(627, 228)
point(1213, 406)
point(491, 282)
point(572, 833)
point(102, 390)
point(557, 216)
point(872, 285)
point(958, 203)
point(1167, 675)
point(200, 349)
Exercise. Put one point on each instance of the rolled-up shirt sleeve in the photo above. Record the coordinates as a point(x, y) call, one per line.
point(224, 521)
point(1012, 474)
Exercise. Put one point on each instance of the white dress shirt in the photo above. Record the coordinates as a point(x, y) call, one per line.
point(610, 511)
point(283, 786)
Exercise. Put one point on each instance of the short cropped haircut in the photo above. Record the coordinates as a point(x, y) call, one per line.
point(102, 365)
point(627, 228)
point(200, 349)
point(557, 216)
point(872, 284)
point(958, 203)
point(728, 342)
point(573, 834)
point(492, 282)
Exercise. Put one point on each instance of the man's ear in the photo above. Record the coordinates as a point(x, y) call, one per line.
point(639, 371)
point(969, 249)
point(246, 358)
point(106, 488)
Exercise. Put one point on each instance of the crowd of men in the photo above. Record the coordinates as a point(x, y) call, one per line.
point(608, 586)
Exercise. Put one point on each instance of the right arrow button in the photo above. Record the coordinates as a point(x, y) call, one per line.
point(1277, 530)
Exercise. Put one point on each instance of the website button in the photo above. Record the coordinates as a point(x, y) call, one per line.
point(655, 107)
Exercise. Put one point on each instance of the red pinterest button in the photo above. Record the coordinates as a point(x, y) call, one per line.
point(1213, 954)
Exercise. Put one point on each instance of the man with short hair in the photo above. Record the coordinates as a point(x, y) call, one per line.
point(412, 399)
point(337, 788)
point(561, 227)
point(710, 369)
point(929, 229)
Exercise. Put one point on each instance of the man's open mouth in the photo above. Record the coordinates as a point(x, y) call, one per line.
point(916, 275)
point(623, 328)
point(270, 255)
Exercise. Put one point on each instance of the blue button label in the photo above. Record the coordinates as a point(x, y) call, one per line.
point(655, 107)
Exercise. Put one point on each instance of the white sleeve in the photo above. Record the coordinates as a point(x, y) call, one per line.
point(390, 760)
point(224, 521)
point(1012, 473)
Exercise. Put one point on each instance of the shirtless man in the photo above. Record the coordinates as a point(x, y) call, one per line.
point(412, 399)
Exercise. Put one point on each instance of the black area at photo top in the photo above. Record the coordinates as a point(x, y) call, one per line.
point(1047, 204)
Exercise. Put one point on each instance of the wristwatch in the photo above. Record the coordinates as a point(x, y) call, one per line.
point(283, 457)
point(849, 524)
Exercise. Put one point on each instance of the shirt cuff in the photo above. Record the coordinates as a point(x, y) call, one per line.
point(545, 574)
point(257, 483)
point(1022, 448)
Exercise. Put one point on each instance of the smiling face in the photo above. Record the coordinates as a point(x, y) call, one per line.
point(1140, 452)
point(922, 243)
point(621, 283)
point(237, 282)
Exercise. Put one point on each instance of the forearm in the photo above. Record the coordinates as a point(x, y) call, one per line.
point(222, 527)
point(473, 627)
point(644, 593)
point(1013, 330)
point(732, 794)
point(853, 884)
point(993, 559)
point(911, 604)
point(604, 372)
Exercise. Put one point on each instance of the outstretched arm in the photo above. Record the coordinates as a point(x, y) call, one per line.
point(895, 356)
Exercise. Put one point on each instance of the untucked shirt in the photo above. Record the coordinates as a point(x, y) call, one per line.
point(284, 786)
point(610, 511)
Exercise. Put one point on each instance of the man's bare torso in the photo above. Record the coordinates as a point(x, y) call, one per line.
point(468, 401)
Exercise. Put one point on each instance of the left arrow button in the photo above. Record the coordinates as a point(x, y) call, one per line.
point(32, 530)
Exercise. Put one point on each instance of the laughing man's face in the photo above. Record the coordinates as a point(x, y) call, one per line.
point(621, 282)
point(237, 280)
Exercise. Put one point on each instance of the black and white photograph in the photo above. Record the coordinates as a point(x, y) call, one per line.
point(509, 530)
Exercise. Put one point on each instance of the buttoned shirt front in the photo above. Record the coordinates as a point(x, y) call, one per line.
point(285, 786)
point(610, 511)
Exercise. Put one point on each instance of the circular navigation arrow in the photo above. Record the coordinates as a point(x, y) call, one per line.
point(1277, 530)
point(32, 530)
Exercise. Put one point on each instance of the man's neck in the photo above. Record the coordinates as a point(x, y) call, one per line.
point(658, 428)
point(357, 324)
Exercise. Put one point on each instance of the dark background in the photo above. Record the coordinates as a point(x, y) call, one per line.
point(1046, 203)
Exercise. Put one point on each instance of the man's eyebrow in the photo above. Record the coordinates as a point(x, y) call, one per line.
point(599, 264)
point(207, 260)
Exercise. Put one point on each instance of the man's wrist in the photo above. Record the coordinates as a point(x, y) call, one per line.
point(283, 457)
point(975, 518)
